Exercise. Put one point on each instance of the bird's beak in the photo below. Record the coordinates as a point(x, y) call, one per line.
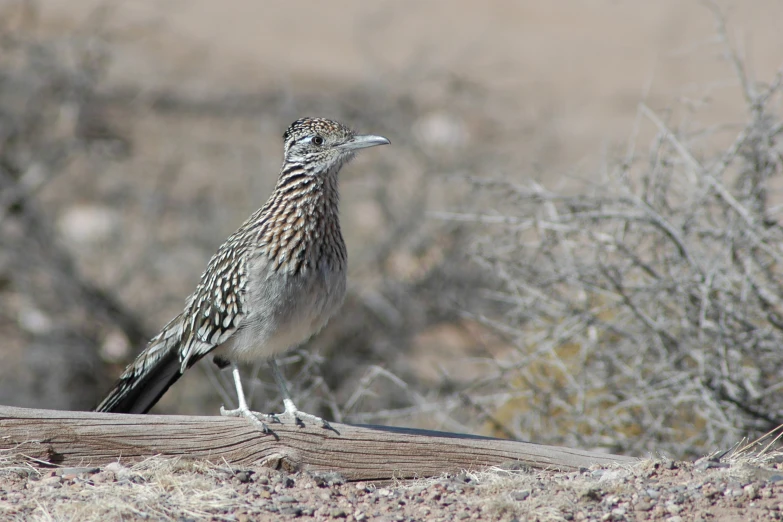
point(364, 141)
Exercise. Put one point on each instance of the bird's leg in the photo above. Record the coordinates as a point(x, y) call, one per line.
point(290, 408)
point(243, 411)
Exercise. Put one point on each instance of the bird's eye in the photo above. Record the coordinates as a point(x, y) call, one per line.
point(317, 140)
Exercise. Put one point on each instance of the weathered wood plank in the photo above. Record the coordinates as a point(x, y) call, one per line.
point(358, 452)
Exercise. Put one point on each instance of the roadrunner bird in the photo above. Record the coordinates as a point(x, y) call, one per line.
point(273, 283)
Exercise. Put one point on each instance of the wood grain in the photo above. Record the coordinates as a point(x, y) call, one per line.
point(358, 452)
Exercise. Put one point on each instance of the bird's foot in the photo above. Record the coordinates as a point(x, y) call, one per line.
point(254, 417)
point(299, 417)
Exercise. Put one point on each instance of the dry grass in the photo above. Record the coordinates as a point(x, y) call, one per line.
point(173, 489)
point(763, 451)
point(156, 488)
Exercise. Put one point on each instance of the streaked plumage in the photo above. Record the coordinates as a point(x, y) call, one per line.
point(271, 285)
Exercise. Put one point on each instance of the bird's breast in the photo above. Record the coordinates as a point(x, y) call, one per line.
point(285, 308)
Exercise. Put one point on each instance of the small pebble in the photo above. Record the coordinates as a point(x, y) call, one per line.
point(104, 477)
point(76, 471)
point(291, 510)
point(706, 464)
point(244, 476)
point(643, 506)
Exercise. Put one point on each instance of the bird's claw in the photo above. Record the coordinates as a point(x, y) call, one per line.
point(254, 417)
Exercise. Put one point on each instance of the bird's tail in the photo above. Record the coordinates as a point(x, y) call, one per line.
point(152, 373)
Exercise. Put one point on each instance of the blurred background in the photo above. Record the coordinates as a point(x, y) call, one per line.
point(573, 238)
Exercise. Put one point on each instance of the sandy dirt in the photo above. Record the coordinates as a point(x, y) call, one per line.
point(177, 490)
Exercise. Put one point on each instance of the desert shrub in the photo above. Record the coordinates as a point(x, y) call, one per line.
point(645, 308)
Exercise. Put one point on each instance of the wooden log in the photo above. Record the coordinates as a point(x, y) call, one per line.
point(75, 438)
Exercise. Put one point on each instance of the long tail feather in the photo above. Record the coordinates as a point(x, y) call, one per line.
point(152, 373)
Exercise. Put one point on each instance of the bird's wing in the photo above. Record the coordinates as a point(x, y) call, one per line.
point(212, 314)
point(216, 309)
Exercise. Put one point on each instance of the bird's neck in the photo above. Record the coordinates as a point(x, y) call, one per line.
point(314, 194)
point(301, 212)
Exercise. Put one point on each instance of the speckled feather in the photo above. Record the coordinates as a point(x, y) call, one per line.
point(257, 288)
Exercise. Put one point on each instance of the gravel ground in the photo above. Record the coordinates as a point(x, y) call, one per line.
point(161, 489)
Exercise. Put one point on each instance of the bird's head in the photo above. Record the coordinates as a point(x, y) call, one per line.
point(324, 144)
